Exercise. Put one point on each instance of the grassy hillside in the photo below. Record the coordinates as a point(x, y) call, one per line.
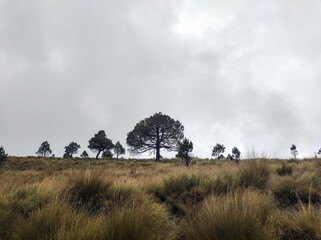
point(140, 199)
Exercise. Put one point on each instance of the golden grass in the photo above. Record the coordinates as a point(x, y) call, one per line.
point(139, 199)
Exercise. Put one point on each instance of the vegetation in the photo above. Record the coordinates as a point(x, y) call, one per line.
point(218, 151)
point(84, 154)
point(71, 149)
point(294, 152)
point(119, 149)
point(44, 149)
point(3, 156)
point(100, 143)
point(155, 133)
point(184, 151)
point(55, 198)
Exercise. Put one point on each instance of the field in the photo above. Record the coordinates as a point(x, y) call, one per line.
point(86, 199)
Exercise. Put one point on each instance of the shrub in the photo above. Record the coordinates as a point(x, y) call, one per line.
point(255, 174)
point(233, 216)
point(284, 170)
point(87, 190)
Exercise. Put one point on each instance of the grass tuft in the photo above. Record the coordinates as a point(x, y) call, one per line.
point(234, 216)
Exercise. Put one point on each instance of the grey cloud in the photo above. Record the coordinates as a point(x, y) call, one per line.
point(238, 72)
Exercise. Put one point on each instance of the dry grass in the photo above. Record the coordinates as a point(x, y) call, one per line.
point(86, 199)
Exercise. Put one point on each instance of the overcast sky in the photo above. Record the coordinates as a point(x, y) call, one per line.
point(238, 72)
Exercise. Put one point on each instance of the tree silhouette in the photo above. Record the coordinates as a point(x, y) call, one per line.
point(84, 154)
point(44, 149)
point(71, 149)
point(107, 154)
point(218, 151)
point(184, 151)
point(119, 149)
point(294, 152)
point(3, 156)
point(100, 143)
point(155, 133)
point(236, 153)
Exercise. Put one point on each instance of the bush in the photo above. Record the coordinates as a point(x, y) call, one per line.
point(87, 190)
point(233, 216)
point(284, 170)
point(255, 174)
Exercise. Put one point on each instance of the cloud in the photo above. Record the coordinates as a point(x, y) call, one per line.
point(237, 72)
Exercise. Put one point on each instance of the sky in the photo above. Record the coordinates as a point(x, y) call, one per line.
point(243, 73)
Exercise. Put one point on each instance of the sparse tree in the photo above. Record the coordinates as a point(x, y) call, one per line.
point(107, 154)
point(3, 156)
point(155, 133)
point(184, 151)
point(84, 154)
point(218, 151)
point(236, 153)
point(119, 149)
point(319, 152)
point(100, 143)
point(294, 152)
point(71, 149)
point(44, 149)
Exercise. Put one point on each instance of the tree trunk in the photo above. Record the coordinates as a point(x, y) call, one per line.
point(98, 154)
point(157, 154)
point(157, 146)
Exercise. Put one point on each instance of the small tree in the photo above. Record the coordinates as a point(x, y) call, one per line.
point(157, 132)
point(319, 152)
point(236, 154)
point(3, 156)
point(71, 149)
point(107, 154)
point(184, 151)
point(44, 149)
point(218, 151)
point(294, 152)
point(100, 143)
point(119, 149)
point(84, 154)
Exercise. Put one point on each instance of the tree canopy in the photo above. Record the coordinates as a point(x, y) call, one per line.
point(184, 151)
point(218, 151)
point(3, 156)
point(44, 149)
point(100, 143)
point(155, 133)
point(119, 149)
point(71, 149)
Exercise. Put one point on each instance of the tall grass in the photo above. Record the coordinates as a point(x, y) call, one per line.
point(255, 174)
point(302, 224)
point(88, 189)
point(233, 216)
point(142, 219)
